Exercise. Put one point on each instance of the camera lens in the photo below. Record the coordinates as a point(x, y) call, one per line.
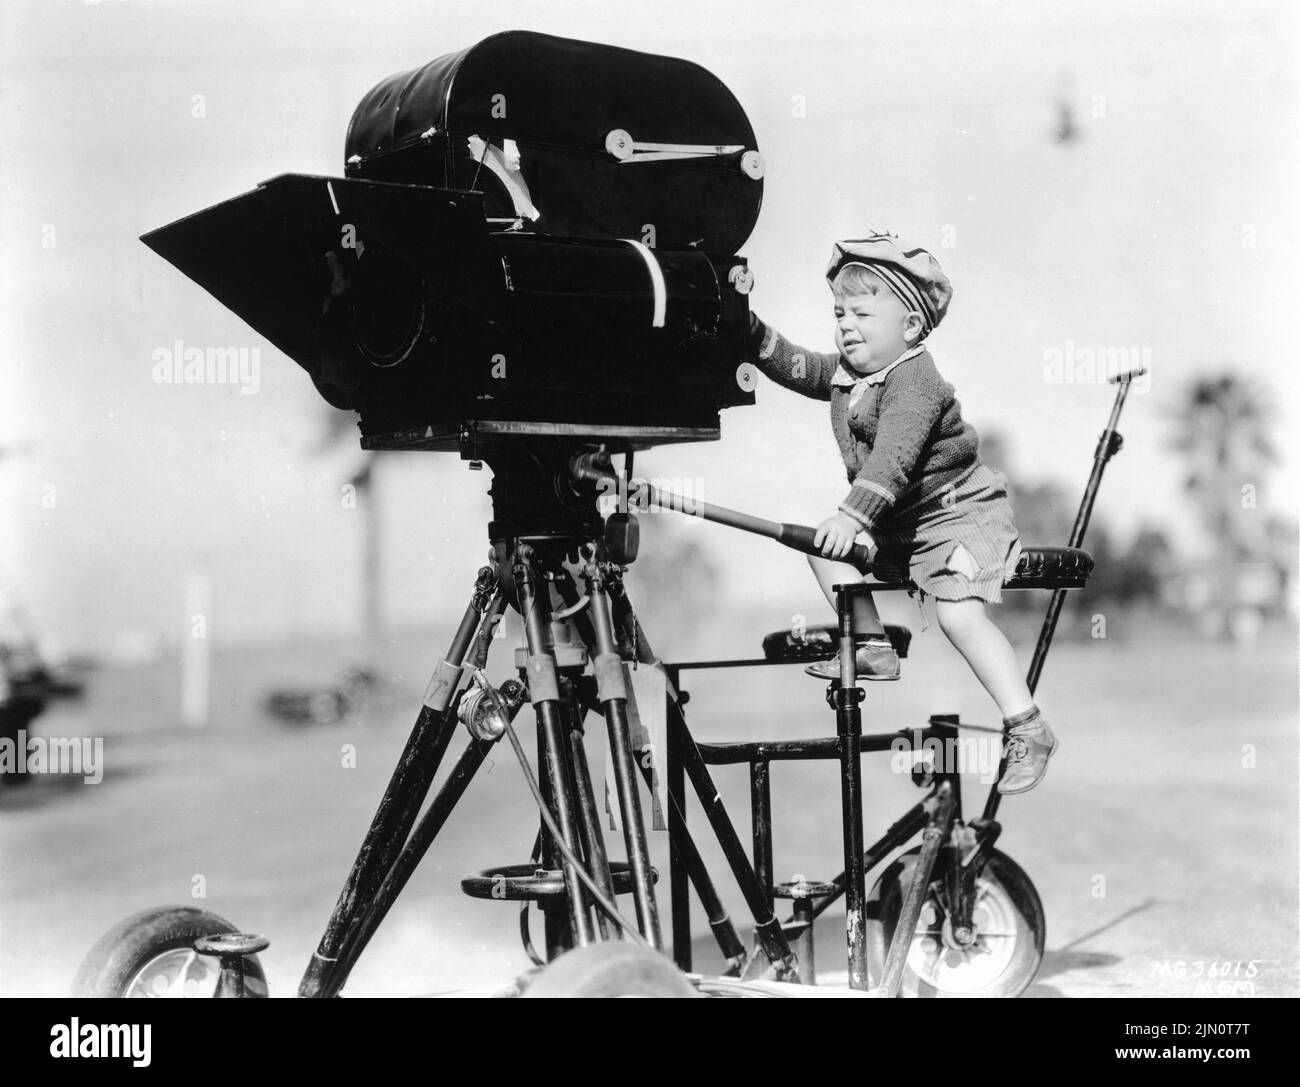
point(389, 314)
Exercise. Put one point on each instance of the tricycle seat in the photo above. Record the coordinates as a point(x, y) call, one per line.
point(1038, 568)
point(1051, 568)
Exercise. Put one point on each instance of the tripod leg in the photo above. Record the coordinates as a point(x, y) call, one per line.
point(684, 854)
point(421, 839)
point(556, 913)
point(544, 691)
point(401, 801)
point(426, 830)
point(611, 689)
point(589, 819)
point(682, 745)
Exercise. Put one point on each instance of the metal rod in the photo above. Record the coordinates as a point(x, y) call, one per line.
point(428, 828)
point(557, 770)
point(614, 707)
point(803, 942)
point(683, 847)
point(544, 688)
point(760, 800)
point(796, 537)
point(812, 749)
point(422, 837)
point(593, 838)
point(629, 803)
point(486, 629)
point(895, 836)
point(1107, 446)
point(751, 751)
point(848, 721)
point(678, 890)
point(548, 820)
point(768, 929)
point(932, 838)
point(556, 929)
point(558, 932)
point(400, 804)
point(683, 852)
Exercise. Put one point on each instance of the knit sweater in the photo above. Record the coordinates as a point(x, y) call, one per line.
point(903, 439)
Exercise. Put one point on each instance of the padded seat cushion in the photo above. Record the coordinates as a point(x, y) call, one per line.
point(1038, 568)
point(1052, 568)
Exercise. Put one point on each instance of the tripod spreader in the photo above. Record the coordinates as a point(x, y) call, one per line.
point(596, 468)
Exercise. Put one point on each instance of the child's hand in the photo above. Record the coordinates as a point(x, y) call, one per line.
point(836, 534)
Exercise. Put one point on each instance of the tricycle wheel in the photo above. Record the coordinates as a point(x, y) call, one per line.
point(610, 970)
point(1008, 943)
point(151, 954)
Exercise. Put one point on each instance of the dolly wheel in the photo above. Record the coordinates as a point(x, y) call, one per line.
point(999, 957)
point(610, 970)
point(151, 954)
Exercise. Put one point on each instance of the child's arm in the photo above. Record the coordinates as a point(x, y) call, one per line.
point(795, 367)
point(910, 406)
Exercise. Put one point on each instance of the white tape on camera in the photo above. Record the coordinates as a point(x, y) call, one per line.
point(656, 282)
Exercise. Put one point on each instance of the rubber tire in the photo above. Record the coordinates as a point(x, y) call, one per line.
point(886, 900)
point(120, 953)
point(612, 969)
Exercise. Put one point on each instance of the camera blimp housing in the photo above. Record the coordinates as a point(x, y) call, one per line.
point(534, 236)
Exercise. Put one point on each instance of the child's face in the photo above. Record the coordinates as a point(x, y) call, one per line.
point(872, 327)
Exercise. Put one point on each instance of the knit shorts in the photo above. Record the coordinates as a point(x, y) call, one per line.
point(959, 543)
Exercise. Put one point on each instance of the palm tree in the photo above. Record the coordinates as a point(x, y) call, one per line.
point(1222, 428)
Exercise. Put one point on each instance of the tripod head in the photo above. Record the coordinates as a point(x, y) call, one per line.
point(543, 502)
point(535, 494)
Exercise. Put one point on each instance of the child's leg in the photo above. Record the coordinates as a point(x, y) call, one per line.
point(1029, 739)
point(866, 619)
point(987, 651)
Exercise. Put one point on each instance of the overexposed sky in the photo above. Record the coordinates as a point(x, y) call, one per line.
point(1169, 226)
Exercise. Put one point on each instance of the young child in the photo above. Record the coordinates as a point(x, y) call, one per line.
point(919, 494)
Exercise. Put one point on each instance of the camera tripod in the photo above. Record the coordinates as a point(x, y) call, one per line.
point(558, 563)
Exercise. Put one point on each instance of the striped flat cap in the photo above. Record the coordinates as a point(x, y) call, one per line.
point(912, 274)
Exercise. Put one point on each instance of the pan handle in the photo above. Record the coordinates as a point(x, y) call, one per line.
point(596, 468)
